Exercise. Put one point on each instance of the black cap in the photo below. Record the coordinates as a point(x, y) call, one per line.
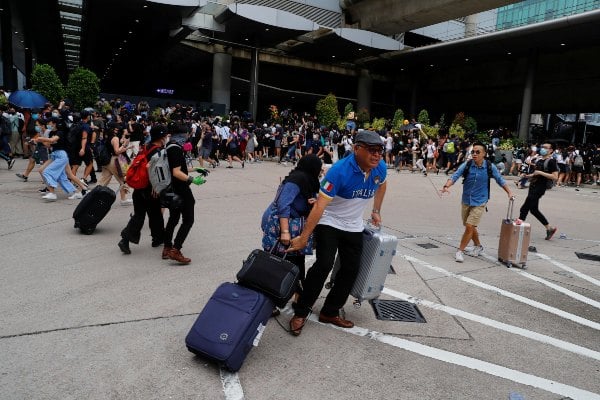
point(368, 137)
point(157, 132)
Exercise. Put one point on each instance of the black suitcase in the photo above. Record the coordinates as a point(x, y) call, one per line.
point(231, 323)
point(271, 275)
point(93, 208)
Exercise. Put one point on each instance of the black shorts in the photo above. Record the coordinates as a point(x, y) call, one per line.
point(75, 159)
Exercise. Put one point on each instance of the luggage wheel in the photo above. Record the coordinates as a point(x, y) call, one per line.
point(328, 285)
point(508, 265)
point(357, 304)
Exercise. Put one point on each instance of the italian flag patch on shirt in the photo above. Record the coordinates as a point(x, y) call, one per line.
point(327, 186)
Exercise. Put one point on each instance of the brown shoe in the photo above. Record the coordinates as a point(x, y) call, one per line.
point(296, 325)
point(175, 254)
point(165, 252)
point(337, 321)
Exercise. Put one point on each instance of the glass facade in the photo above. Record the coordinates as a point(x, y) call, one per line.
point(532, 11)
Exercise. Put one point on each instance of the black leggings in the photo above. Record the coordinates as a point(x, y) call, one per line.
point(532, 203)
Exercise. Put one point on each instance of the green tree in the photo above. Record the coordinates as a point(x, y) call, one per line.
point(83, 88)
point(423, 117)
point(347, 110)
point(456, 129)
point(363, 117)
point(45, 81)
point(398, 119)
point(470, 124)
point(327, 110)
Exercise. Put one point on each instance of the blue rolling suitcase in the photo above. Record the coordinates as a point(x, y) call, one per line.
point(231, 323)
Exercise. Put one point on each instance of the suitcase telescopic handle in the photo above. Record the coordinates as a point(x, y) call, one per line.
point(509, 212)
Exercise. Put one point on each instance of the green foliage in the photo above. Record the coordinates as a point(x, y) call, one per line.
point(45, 81)
point(442, 122)
point(3, 100)
point(430, 131)
point(511, 144)
point(378, 123)
point(347, 110)
point(482, 137)
point(467, 123)
point(327, 110)
point(363, 117)
point(457, 130)
point(83, 88)
point(398, 118)
point(423, 117)
point(470, 124)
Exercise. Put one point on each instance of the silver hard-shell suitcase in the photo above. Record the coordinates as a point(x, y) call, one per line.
point(378, 250)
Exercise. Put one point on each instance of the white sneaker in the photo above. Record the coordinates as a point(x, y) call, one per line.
point(76, 195)
point(459, 256)
point(127, 202)
point(476, 251)
point(49, 196)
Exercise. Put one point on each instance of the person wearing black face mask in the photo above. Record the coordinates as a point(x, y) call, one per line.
point(545, 173)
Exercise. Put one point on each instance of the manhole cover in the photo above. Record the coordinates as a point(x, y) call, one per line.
point(591, 257)
point(427, 245)
point(396, 310)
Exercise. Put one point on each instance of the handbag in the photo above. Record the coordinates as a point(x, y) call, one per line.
point(272, 275)
point(122, 164)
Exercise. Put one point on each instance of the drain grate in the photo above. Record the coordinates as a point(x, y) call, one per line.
point(591, 257)
point(396, 310)
point(427, 245)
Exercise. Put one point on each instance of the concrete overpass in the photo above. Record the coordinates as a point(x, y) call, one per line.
point(392, 16)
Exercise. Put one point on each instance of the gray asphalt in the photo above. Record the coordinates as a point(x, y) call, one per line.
point(81, 320)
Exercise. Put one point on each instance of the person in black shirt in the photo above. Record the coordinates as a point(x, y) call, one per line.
point(180, 183)
point(546, 170)
point(145, 202)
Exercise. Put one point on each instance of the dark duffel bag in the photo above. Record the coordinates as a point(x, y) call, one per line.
point(93, 208)
point(274, 276)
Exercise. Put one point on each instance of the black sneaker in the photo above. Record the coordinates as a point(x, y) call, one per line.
point(124, 246)
point(10, 163)
point(157, 242)
point(43, 190)
point(21, 176)
point(550, 232)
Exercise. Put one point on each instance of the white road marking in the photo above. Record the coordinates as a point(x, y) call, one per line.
point(533, 303)
point(554, 286)
point(561, 344)
point(561, 289)
point(232, 388)
point(571, 270)
point(471, 363)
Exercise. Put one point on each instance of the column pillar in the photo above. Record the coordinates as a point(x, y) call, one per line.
point(9, 75)
point(221, 80)
point(253, 99)
point(365, 88)
point(524, 120)
point(471, 25)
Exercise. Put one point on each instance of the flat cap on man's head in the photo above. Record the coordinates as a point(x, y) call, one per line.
point(368, 137)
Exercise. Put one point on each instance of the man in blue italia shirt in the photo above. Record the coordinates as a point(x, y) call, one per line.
point(337, 222)
point(475, 196)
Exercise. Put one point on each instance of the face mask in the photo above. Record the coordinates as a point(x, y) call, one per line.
point(55, 114)
point(35, 116)
point(48, 126)
point(38, 129)
point(543, 152)
point(109, 116)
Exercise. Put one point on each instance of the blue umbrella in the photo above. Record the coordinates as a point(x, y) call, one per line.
point(27, 99)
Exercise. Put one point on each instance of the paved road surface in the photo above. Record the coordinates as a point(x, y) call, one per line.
point(81, 320)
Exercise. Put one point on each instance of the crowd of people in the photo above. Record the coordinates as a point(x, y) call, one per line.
point(339, 172)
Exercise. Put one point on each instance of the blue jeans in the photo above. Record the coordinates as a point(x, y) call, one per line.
point(54, 174)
